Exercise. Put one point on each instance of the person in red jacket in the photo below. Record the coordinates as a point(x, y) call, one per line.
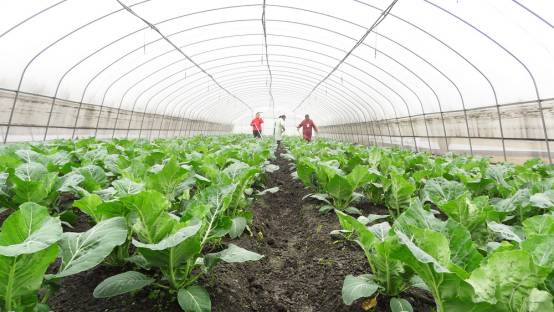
point(256, 124)
point(307, 124)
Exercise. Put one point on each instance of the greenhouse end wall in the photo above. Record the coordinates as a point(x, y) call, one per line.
point(521, 136)
point(38, 118)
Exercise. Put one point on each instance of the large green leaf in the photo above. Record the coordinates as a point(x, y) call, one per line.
point(95, 177)
point(518, 200)
point(28, 230)
point(237, 227)
point(234, 254)
point(194, 299)
point(121, 284)
point(541, 249)
point(439, 190)
point(167, 180)
point(339, 188)
point(23, 275)
point(359, 176)
point(399, 194)
point(471, 213)
point(543, 200)
point(154, 223)
point(83, 251)
point(504, 231)
point(400, 305)
point(356, 287)
point(541, 224)
point(33, 183)
point(127, 187)
point(171, 240)
point(463, 251)
point(507, 279)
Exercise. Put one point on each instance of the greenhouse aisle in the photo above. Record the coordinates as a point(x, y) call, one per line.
point(302, 270)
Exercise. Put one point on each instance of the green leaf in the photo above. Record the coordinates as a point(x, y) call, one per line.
point(89, 205)
point(400, 305)
point(543, 200)
point(167, 180)
point(234, 254)
point(121, 284)
point(540, 301)
point(237, 227)
point(359, 176)
point(171, 240)
point(356, 287)
point(33, 183)
point(471, 213)
point(504, 231)
point(272, 190)
point(439, 190)
point(154, 223)
point(507, 279)
point(23, 275)
point(95, 177)
point(541, 224)
point(371, 218)
point(463, 251)
point(339, 188)
point(127, 187)
point(541, 249)
point(194, 299)
point(399, 194)
point(28, 230)
point(83, 251)
point(517, 201)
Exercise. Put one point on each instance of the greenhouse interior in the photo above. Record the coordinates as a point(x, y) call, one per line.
point(277, 155)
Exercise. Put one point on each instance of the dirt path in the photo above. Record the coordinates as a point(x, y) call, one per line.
point(303, 269)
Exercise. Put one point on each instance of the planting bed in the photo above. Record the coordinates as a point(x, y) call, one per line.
point(303, 269)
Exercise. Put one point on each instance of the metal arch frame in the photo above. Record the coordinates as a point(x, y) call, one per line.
point(464, 59)
point(193, 13)
point(44, 50)
point(292, 75)
point(404, 66)
point(539, 100)
point(308, 66)
point(288, 87)
point(241, 82)
point(416, 95)
point(536, 89)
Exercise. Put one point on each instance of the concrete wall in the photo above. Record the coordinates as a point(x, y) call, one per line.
point(522, 130)
point(31, 115)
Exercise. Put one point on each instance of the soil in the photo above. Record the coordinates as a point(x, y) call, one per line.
point(302, 271)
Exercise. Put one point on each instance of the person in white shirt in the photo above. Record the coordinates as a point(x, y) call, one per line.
point(279, 129)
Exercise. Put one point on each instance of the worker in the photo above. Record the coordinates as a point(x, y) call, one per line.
point(279, 129)
point(307, 124)
point(256, 124)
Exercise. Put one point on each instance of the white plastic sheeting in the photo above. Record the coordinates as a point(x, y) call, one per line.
point(425, 57)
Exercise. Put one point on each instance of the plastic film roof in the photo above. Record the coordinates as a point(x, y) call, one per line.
point(424, 57)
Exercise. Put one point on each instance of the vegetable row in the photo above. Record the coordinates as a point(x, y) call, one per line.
point(476, 235)
point(160, 207)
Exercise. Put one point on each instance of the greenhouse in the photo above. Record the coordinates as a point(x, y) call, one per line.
point(302, 156)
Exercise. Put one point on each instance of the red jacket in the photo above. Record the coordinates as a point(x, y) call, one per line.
point(256, 124)
point(307, 126)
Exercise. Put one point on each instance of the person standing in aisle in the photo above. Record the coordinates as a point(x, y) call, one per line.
point(256, 124)
point(279, 129)
point(307, 124)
